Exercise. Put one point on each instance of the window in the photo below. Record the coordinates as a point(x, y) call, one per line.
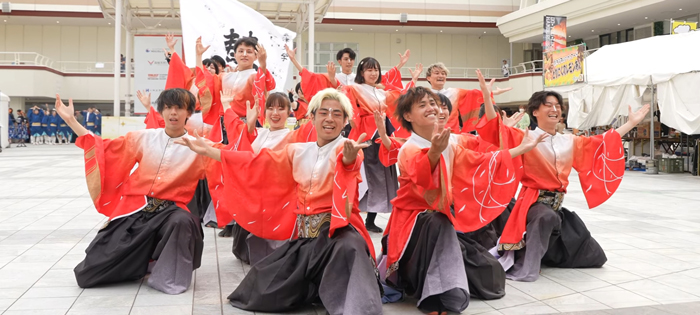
point(604, 40)
point(325, 52)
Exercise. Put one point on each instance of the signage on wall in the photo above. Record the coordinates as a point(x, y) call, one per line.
point(681, 27)
point(554, 36)
point(150, 67)
point(564, 66)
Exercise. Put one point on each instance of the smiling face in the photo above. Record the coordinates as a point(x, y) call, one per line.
point(276, 114)
point(444, 113)
point(437, 78)
point(329, 120)
point(548, 114)
point(423, 113)
point(245, 56)
point(370, 75)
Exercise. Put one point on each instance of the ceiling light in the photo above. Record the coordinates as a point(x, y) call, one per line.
point(646, 17)
point(440, 31)
point(618, 24)
point(484, 32)
point(680, 9)
point(397, 30)
point(351, 29)
point(5, 20)
point(569, 36)
point(592, 31)
point(158, 24)
point(58, 22)
point(109, 23)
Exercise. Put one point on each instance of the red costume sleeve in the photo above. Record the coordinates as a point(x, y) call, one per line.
point(482, 186)
point(392, 99)
point(254, 179)
point(206, 82)
point(179, 75)
point(600, 163)
point(108, 164)
point(154, 120)
point(305, 133)
point(392, 79)
point(312, 83)
point(390, 156)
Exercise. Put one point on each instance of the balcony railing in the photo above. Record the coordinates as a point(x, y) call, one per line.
point(35, 59)
point(39, 60)
point(470, 73)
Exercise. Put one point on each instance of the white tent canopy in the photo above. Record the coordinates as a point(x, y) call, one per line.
point(617, 76)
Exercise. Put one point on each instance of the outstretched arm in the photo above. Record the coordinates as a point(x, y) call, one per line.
point(379, 120)
point(486, 91)
point(634, 119)
point(66, 112)
point(292, 53)
point(199, 146)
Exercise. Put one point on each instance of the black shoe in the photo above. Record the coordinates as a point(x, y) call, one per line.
point(373, 228)
point(227, 231)
point(211, 224)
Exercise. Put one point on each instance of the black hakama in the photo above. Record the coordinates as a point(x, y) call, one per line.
point(338, 270)
point(432, 264)
point(557, 239)
point(251, 249)
point(122, 250)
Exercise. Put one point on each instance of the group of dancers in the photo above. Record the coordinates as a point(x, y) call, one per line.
point(41, 126)
point(365, 143)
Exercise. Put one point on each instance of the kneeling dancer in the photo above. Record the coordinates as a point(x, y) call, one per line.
point(307, 192)
point(149, 225)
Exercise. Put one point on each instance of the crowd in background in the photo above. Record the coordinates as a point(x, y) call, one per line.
point(43, 126)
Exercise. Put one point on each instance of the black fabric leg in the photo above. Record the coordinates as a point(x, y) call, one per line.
point(542, 221)
point(432, 264)
point(338, 270)
point(573, 246)
point(487, 279)
point(122, 250)
point(240, 246)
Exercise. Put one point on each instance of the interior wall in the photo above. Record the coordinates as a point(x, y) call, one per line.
point(62, 43)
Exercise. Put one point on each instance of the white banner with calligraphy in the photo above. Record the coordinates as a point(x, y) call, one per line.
point(221, 23)
point(150, 67)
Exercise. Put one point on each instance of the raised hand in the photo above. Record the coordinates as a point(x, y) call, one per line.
point(330, 67)
point(380, 121)
point(262, 56)
point(529, 143)
point(66, 112)
point(351, 148)
point(415, 73)
point(292, 53)
point(512, 120)
point(227, 97)
point(199, 47)
point(403, 59)
point(252, 114)
point(638, 116)
point(482, 81)
point(500, 90)
point(171, 41)
point(198, 145)
point(145, 99)
point(440, 139)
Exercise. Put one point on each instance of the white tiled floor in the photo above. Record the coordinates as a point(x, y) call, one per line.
point(647, 228)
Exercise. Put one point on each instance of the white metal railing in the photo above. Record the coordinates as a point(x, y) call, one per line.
point(36, 59)
point(462, 72)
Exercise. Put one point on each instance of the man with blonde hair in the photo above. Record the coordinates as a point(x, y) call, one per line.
point(466, 102)
point(306, 191)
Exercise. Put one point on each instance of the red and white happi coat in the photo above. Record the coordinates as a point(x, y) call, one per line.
point(165, 171)
point(479, 184)
point(599, 161)
point(301, 178)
